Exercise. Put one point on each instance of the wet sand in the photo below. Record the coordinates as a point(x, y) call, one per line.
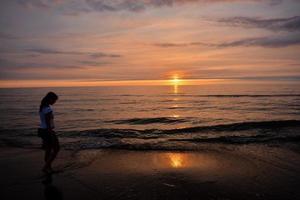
point(228, 172)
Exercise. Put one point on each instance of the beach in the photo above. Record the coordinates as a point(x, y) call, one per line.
point(150, 100)
point(216, 172)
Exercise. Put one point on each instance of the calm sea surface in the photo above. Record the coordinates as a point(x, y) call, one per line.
point(155, 112)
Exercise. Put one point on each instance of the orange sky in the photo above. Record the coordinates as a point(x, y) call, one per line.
point(66, 43)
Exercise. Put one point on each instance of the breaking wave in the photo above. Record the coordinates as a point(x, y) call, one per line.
point(141, 121)
point(243, 126)
point(261, 132)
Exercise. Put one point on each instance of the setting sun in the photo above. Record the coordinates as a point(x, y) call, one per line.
point(175, 80)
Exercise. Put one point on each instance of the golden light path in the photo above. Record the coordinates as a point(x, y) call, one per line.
point(175, 81)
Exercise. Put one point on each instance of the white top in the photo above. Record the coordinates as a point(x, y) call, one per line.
point(46, 110)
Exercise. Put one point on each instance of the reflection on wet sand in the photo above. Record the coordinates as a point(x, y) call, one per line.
point(51, 192)
point(145, 162)
point(185, 161)
point(176, 160)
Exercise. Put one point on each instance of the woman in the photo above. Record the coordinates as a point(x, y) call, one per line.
point(46, 130)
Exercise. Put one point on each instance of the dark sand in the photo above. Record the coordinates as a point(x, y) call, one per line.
point(231, 172)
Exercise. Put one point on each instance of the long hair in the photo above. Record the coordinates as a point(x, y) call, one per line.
point(46, 100)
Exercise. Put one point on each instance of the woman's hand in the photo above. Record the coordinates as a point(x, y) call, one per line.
point(51, 131)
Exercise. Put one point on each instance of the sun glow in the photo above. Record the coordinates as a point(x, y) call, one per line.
point(175, 80)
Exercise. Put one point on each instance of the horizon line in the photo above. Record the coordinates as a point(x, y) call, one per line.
point(157, 82)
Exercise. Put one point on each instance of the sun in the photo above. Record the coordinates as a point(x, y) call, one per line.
point(175, 80)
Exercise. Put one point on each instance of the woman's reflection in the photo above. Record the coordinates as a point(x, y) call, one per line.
point(51, 192)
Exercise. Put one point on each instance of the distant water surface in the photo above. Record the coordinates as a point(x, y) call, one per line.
point(106, 111)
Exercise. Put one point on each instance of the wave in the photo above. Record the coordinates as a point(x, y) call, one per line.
point(124, 133)
point(261, 126)
point(243, 139)
point(179, 144)
point(240, 126)
point(141, 121)
point(260, 132)
point(177, 107)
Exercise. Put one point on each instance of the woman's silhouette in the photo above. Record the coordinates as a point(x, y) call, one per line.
point(46, 130)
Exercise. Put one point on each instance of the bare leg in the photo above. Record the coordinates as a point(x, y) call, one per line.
point(47, 157)
point(55, 149)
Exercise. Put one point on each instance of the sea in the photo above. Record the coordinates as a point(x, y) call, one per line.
point(177, 117)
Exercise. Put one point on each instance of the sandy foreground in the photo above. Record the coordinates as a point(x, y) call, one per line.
point(231, 172)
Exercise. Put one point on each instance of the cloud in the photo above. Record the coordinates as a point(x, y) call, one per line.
point(275, 2)
point(167, 45)
point(76, 6)
point(12, 65)
point(100, 55)
point(267, 42)
point(4, 63)
point(282, 78)
point(277, 24)
point(54, 51)
point(8, 36)
point(172, 44)
point(93, 63)
point(44, 4)
point(17, 62)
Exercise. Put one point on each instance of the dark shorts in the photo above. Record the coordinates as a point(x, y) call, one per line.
point(49, 139)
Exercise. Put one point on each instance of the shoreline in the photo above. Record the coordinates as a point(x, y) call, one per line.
point(232, 172)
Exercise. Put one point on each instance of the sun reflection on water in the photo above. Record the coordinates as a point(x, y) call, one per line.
point(175, 89)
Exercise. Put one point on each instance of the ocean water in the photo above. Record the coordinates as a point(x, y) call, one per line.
point(157, 117)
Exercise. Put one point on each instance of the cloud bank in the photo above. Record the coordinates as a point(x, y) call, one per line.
point(54, 51)
point(278, 24)
point(77, 6)
point(267, 42)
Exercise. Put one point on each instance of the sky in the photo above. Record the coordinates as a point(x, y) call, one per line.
point(81, 41)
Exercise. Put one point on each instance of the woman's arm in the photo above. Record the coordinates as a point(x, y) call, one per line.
point(49, 117)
